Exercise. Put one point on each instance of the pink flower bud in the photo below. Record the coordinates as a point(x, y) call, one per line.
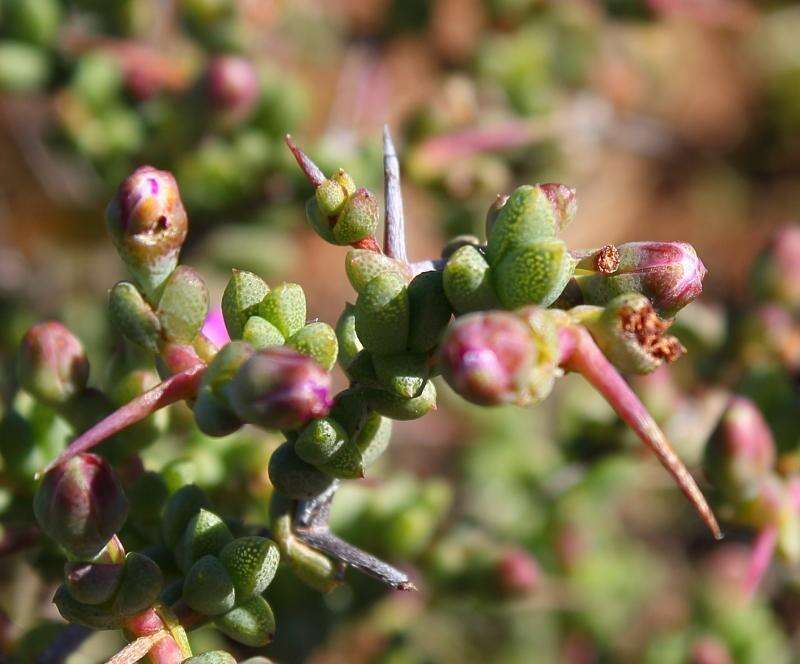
point(487, 357)
point(670, 274)
point(81, 504)
point(741, 451)
point(518, 573)
point(148, 224)
point(278, 388)
point(232, 85)
point(777, 270)
point(52, 363)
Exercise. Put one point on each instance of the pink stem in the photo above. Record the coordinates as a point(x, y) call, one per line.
point(180, 357)
point(166, 650)
point(182, 385)
point(315, 176)
point(760, 558)
point(588, 360)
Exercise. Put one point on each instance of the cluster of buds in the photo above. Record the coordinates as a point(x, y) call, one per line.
point(203, 572)
point(524, 262)
point(82, 506)
point(224, 576)
point(505, 345)
point(273, 370)
point(388, 337)
point(341, 213)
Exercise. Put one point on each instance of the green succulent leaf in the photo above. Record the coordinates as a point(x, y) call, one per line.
point(212, 657)
point(225, 365)
point(429, 311)
point(205, 534)
point(467, 281)
point(363, 265)
point(285, 307)
point(183, 305)
point(181, 507)
point(373, 438)
point(213, 416)
point(320, 440)
point(318, 341)
point(293, 477)
point(403, 374)
point(133, 317)
point(346, 464)
point(98, 617)
point(536, 273)
point(260, 333)
point(362, 370)
point(141, 585)
point(92, 583)
point(240, 300)
point(399, 408)
point(252, 623)
point(251, 563)
point(350, 411)
point(382, 314)
point(318, 221)
point(207, 588)
point(330, 197)
point(527, 216)
point(358, 218)
point(349, 343)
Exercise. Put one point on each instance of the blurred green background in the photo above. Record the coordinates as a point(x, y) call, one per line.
point(540, 535)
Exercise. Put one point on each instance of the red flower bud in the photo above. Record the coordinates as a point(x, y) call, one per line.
point(232, 86)
point(670, 274)
point(81, 504)
point(148, 225)
point(741, 451)
point(487, 357)
point(52, 363)
point(278, 388)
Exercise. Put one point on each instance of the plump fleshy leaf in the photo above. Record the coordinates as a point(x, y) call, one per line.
point(285, 307)
point(382, 314)
point(240, 300)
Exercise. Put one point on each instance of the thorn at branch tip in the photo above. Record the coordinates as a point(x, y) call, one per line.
point(313, 172)
point(394, 233)
point(588, 360)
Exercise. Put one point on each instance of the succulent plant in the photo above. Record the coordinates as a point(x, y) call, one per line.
point(270, 367)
